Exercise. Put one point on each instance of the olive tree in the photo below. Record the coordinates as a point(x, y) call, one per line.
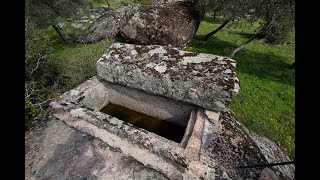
point(277, 17)
point(45, 13)
point(278, 21)
point(229, 9)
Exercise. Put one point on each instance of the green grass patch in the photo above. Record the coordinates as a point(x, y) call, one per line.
point(266, 101)
point(76, 63)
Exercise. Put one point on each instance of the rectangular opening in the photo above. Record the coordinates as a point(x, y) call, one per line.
point(160, 127)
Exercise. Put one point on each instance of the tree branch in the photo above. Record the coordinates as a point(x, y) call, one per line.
point(216, 30)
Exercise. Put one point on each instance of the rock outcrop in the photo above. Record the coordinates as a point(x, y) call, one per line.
point(107, 26)
point(165, 24)
point(205, 80)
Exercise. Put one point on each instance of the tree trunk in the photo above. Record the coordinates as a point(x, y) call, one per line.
point(215, 31)
point(63, 37)
point(214, 15)
point(107, 3)
point(248, 41)
point(242, 45)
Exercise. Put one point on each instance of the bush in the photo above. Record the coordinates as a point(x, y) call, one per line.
point(37, 46)
point(77, 64)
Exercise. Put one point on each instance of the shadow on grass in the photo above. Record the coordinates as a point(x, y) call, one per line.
point(209, 19)
point(245, 35)
point(262, 65)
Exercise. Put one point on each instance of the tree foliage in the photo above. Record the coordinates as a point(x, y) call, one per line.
point(229, 9)
point(277, 15)
point(45, 12)
point(37, 46)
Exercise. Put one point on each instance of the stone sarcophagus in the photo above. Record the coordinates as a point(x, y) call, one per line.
point(166, 108)
point(205, 80)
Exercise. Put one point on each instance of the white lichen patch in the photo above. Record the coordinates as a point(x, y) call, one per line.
point(161, 69)
point(74, 92)
point(134, 52)
point(159, 50)
point(150, 65)
point(236, 88)
point(127, 58)
point(227, 71)
point(225, 175)
point(197, 59)
point(220, 58)
point(181, 53)
point(117, 45)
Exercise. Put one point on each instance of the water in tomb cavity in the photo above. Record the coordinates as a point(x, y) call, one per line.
point(160, 127)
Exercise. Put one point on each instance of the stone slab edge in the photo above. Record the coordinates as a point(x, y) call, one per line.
point(205, 80)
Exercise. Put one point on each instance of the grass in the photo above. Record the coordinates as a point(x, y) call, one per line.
point(266, 101)
point(76, 63)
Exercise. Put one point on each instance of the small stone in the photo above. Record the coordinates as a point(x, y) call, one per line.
point(61, 25)
point(77, 25)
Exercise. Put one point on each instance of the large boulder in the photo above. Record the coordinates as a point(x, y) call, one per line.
point(165, 24)
point(104, 27)
point(162, 24)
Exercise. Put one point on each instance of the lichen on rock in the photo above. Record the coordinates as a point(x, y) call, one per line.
point(202, 79)
point(172, 23)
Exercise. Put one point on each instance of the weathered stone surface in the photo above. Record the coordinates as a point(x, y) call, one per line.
point(157, 2)
point(274, 154)
point(166, 24)
point(224, 147)
point(108, 25)
point(268, 174)
point(202, 79)
point(231, 147)
point(171, 23)
point(59, 152)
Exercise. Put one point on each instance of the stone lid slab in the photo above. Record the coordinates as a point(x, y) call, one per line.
point(205, 80)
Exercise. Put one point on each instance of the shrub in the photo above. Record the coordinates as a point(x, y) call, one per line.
point(37, 46)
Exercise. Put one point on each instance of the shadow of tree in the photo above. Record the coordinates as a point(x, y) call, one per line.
point(245, 35)
point(209, 19)
point(262, 65)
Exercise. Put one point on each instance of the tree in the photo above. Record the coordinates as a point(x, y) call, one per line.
point(278, 17)
point(45, 13)
point(278, 21)
point(229, 9)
